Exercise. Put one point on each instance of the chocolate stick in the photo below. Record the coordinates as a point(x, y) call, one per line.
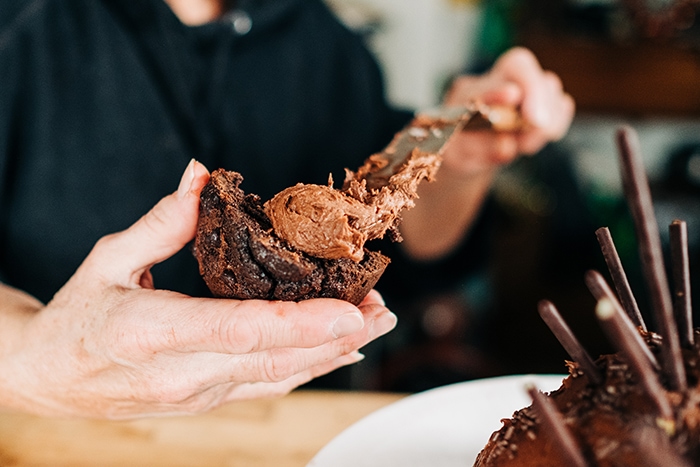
point(619, 278)
point(680, 263)
point(566, 338)
point(611, 321)
point(601, 290)
point(553, 422)
point(636, 187)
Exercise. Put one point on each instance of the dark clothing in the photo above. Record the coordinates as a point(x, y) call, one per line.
point(104, 102)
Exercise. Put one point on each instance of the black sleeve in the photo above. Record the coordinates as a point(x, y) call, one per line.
point(9, 77)
point(407, 280)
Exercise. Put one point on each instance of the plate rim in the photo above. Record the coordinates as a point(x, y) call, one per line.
point(417, 398)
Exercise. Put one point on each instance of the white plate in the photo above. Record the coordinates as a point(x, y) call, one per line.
point(442, 427)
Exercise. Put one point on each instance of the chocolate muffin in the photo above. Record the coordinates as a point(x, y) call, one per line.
point(308, 241)
point(240, 256)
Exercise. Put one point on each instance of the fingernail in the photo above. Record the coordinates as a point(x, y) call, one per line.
point(357, 356)
point(383, 324)
point(186, 180)
point(347, 324)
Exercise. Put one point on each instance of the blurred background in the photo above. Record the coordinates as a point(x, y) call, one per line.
point(635, 62)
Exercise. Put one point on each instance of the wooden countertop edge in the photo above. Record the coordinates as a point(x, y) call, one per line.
point(287, 431)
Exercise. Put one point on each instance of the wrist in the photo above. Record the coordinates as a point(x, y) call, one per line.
point(16, 302)
point(17, 309)
point(455, 181)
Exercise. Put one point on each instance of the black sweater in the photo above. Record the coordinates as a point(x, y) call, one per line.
point(103, 103)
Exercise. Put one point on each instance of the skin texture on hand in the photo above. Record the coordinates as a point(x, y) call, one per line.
point(109, 345)
point(447, 207)
point(515, 80)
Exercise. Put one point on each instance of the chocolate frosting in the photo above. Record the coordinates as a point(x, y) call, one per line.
point(240, 256)
point(331, 223)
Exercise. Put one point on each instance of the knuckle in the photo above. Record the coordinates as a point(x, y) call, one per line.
point(241, 335)
point(98, 266)
point(346, 346)
point(104, 246)
point(280, 366)
point(134, 344)
point(524, 56)
point(185, 397)
point(173, 396)
point(153, 221)
point(104, 242)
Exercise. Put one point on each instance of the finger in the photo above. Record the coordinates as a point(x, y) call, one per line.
point(533, 139)
point(281, 363)
point(565, 117)
point(520, 66)
point(186, 324)
point(466, 89)
point(506, 93)
point(373, 297)
point(160, 233)
point(281, 388)
point(195, 391)
point(477, 151)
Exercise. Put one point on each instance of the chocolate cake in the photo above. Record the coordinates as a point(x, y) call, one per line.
point(639, 406)
point(308, 241)
point(611, 423)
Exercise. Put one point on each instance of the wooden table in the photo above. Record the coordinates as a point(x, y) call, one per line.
point(282, 432)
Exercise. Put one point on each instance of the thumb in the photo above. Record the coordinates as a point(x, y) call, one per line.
point(126, 256)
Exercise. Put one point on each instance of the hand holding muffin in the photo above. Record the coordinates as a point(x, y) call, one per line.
point(110, 345)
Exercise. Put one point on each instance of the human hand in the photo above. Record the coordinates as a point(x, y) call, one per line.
point(109, 345)
point(516, 80)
